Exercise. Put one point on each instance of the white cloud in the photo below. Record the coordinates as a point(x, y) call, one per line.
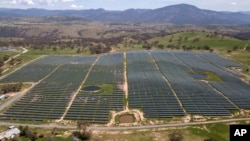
point(13, 2)
point(52, 2)
point(76, 6)
point(73, 6)
point(68, 0)
point(46, 2)
point(22, 2)
point(233, 3)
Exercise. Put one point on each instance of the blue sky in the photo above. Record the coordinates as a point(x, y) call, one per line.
point(218, 5)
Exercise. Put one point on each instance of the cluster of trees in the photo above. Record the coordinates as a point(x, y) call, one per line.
point(11, 88)
point(11, 62)
point(5, 58)
point(83, 133)
point(184, 47)
point(32, 135)
point(95, 46)
point(29, 133)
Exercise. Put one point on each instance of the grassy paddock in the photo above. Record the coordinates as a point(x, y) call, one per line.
point(187, 39)
point(105, 88)
point(10, 53)
point(209, 76)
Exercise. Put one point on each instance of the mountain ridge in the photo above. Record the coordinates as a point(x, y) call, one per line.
point(175, 14)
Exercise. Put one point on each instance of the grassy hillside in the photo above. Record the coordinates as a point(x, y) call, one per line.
point(201, 39)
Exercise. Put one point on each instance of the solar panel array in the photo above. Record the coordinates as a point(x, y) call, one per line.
point(157, 82)
point(232, 87)
point(96, 107)
point(48, 99)
point(38, 69)
point(196, 97)
point(147, 88)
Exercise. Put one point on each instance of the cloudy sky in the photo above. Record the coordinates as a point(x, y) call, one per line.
point(218, 5)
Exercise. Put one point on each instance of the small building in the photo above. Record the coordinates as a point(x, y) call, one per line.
point(9, 134)
point(2, 97)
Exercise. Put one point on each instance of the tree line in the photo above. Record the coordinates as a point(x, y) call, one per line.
point(6, 88)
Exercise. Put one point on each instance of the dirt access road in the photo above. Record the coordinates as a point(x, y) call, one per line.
point(117, 128)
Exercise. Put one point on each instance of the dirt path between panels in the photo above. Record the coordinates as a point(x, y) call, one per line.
point(125, 85)
point(138, 115)
point(73, 96)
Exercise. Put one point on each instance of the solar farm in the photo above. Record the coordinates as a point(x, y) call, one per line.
point(160, 83)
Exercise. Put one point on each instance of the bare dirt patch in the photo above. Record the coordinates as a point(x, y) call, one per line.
point(11, 94)
point(128, 118)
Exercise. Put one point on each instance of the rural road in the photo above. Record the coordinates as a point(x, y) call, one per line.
point(103, 128)
point(17, 96)
point(11, 100)
point(24, 51)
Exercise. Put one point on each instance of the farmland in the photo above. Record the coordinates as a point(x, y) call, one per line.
point(160, 84)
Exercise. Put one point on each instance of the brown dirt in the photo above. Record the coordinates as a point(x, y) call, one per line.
point(11, 94)
point(128, 118)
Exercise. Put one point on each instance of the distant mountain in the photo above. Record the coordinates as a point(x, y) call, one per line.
point(246, 12)
point(176, 14)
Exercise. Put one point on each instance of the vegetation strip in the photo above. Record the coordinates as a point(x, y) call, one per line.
point(120, 128)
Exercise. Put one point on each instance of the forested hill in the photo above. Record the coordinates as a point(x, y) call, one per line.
point(176, 14)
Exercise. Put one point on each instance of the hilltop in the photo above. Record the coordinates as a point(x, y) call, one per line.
point(175, 14)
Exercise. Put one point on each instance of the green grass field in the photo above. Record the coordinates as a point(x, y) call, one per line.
point(104, 88)
point(10, 53)
point(202, 39)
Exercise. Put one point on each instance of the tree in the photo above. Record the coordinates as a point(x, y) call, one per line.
point(1, 63)
point(1, 71)
point(196, 39)
point(83, 133)
point(12, 62)
point(54, 131)
point(147, 47)
point(180, 39)
point(11, 87)
point(82, 125)
point(19, 60)
point(31, 135)
point(156, 43)
point(235, 48)
point(206, 47)
point(54, 48)
point(161, 46)
point(175, 137)
point(78, 50)
point(27, 132)
point(6, 57)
